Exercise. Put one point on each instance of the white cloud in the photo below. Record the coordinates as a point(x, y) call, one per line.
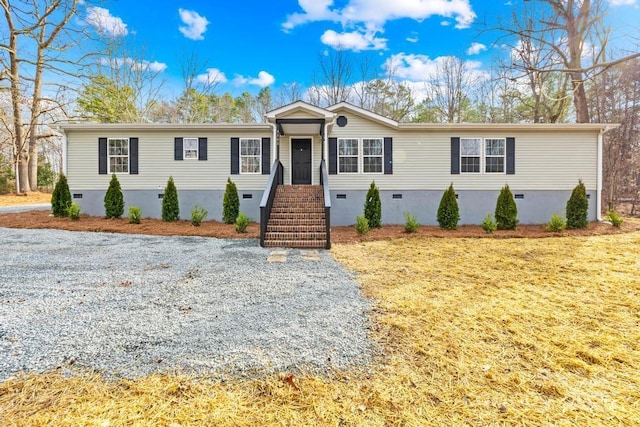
point(355, 41)
point(105, 23)
point(264, 79)
point(196, 25)
point(420, 68)
point(445, 23)
point(413, 38)
point(622, 2)
point(142, 65)
point(476, 48)
point(212, 76)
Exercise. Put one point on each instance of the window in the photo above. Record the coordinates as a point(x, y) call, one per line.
point(348, 155)
point(190, 148)
point(250, 155)
point(118, 153)
point(470, 153)
point(494, 155)
point(372, 155)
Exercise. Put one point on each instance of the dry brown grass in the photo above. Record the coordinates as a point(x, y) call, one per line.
point(474, 332)
point(34, 198)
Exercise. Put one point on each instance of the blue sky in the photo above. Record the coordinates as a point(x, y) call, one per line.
point(251, 44)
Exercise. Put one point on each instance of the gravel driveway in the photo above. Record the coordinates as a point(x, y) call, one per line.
point(131, 305)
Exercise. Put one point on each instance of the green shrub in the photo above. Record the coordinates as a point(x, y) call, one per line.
point(506, 210)
point(170, 202)
point(230, 203)
point(198, 213)
point(242, 222)
point(74, 211)
point(578, 207)
point(362, 225)
point(61, 197)
point(113, 199)
point(373, 206)
point(488, 224)
point(134, 215)
point(448, 213)
point(4, 185)
point(411, 224)
point(556, 223)
point(614, 218)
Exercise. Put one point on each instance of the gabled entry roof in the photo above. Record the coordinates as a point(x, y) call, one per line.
point(300, 118)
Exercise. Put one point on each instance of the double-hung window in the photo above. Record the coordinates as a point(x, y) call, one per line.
point(372, 155)
point(470, 155)
point(250, 155)
point(479, 155)
point(348, 149)
point(190, 148)
point(494, 155)
point(118, 153)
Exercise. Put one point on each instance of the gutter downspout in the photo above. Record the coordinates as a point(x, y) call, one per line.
point(273, 141)
point(599, 171)
point(64, 149)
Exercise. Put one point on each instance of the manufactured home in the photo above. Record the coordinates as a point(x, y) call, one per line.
point(307, 168)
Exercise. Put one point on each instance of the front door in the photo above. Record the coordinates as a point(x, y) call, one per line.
point(300, 161)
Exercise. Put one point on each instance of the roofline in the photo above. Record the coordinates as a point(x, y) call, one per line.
point(509, 126)
point(162, 126)
point(364, 113)
point(270, 115)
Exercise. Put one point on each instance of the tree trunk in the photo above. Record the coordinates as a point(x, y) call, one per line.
point(580, 98)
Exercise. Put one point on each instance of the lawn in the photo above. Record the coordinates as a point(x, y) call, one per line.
point(471, 332)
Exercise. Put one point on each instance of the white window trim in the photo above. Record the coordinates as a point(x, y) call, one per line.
point(109, 156)
point(360, 157)
point(504, 157)
point(240, 156)
point(483, 156)
point(184, 150)
point(356, 156)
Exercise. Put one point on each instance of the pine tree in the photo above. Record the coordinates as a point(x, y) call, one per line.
point(578, 207)
point(230, 203)
point(373, 207)
point(506, 210)
point(448, 212)
point(113, 199)
point(61, 197)
point(170, 202)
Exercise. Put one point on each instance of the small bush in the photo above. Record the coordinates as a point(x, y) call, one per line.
point(134, 215)
point(373, 206)
point(578, 207)
point(411, 224)
point(61, 197)
point(170, 203)
point(113, 199)
point(448, 213)
point(74, 211)
point(230, 203)
point(556, 223)
point(4, 185)
point(198, 213)
point(242, 222)
point(488, 224)
point(614, 218)
point(506, 210)
point(362, 225)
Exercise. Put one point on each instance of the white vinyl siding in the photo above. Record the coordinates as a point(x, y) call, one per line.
point(190, 148)
point(250, 155)
point(118, 155)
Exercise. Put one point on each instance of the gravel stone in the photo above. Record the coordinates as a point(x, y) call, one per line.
point(132, 305)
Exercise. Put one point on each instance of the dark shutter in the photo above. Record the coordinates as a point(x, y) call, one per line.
point(178, 152)
point(333, 156)
point(202, 148)
point(388, 156)
point(511, 156)
point(455, 156)
point(102, 156)
point(235, 156)
point(133, 156)
point(266, 156)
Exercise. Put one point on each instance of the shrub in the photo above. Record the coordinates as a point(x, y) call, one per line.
point(556, 223)
point(242, 222)
point(506, 210)
point(4, 185)
point(74, 211)
point(411, 224)
point(61, 197)
point(373, 206)
point(578, 207)
point(113, 199)
point(488, 224)
point(448, 213)
point(170, 203)
point(362, 225)
point(134, 215)
point(198, 213)
point(230, 203)
point(615, 219)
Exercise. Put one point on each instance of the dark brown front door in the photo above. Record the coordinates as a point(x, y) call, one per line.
point(300, 161)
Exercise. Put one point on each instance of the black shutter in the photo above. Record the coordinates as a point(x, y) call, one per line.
point(178, 152)
point(235, 156)
point(202, 148)
point(455, 156)
point(388, 156)
point(133, 156)
point(266, 156)
point(333, 156)
point(102, 156)
point(511, 156)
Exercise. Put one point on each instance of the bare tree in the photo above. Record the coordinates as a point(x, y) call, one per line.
point(200, 82)
point(332, 82)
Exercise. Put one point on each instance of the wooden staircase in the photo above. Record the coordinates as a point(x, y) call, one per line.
point(297, 218)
